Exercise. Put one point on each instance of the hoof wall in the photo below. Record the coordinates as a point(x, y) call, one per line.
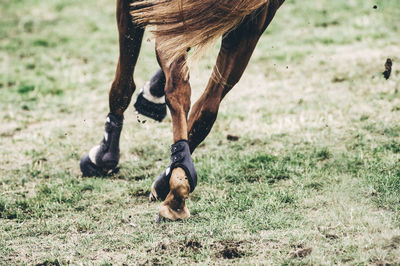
point(89, 169)
point(168, 213)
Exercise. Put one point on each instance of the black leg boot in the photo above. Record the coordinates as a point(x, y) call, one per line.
point(103, 159)
point(180, 157)
point(151, 99)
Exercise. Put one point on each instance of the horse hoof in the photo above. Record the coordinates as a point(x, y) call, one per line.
point(89, 169)
point(167, 212)
point(155, 111)
point(153, 194)
point(158, 219)
point(160, 187)
point(174, 207)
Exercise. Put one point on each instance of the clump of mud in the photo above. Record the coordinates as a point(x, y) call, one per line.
point(229, 249)
point(300, 253)
point(388, 68)
point(191, 244)
point(49, 263)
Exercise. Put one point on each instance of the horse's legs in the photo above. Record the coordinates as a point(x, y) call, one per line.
point(180, 178)
point(130, 40)
point(104, 157)
point(236, 50)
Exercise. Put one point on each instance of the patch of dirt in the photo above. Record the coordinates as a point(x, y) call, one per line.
point(191, 244)
point(331, 236)
point(388, 68)
point(162, 246)
point(231, 253)
point(379, 262)
point(275, 178)
point(49, 263)
point(327, 233)
point(232, 138)
point(229, 249)
point(393, 243)
point(339, 79)
point(300, 253)
point(153, 261)
point(140, 193)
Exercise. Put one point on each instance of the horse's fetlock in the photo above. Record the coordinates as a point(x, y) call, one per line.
point(104, 158)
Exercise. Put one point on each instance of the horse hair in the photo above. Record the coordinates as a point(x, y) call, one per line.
point(183, 24)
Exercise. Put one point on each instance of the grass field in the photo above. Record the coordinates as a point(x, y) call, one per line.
point(314, 177)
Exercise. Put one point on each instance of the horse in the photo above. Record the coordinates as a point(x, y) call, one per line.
point(179, 25)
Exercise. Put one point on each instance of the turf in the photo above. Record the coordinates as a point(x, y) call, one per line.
point(309, 175)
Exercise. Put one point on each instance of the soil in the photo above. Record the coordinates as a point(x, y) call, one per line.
point(300, 253)
point(228, 249)
point(191, 244)
point(388, 68)
point(140, 193)
point(232, 138)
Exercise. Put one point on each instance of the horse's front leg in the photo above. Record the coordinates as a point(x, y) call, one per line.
point(104, 158)
point(180, 178)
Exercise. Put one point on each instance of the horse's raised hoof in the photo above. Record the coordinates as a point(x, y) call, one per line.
point(174, 207)
point(149, 105)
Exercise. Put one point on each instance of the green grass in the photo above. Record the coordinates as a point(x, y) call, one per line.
point(314, 177)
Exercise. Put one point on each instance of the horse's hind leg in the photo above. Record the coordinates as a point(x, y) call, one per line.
point(104, 158)
point(180, 178)
point(236, 50)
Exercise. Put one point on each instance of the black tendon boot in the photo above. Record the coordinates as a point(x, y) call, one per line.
point(180, 157)
point(151, 99)
point(103, 159)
